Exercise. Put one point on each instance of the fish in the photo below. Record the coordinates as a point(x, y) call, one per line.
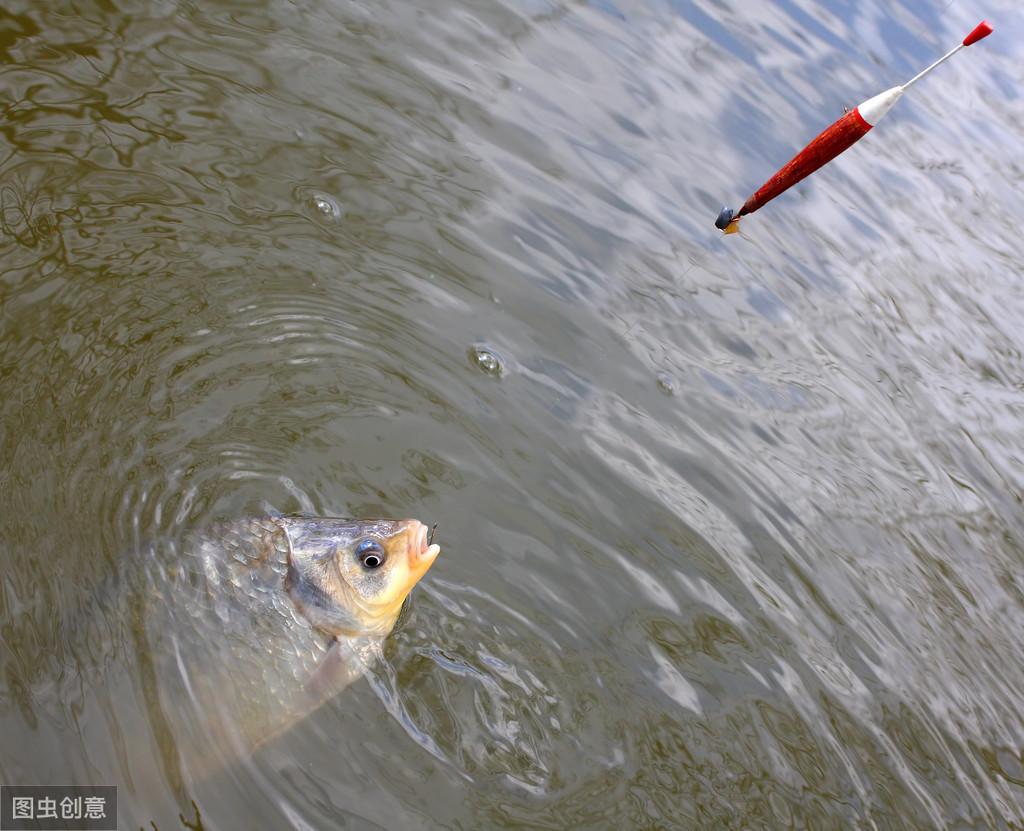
point(236, 632)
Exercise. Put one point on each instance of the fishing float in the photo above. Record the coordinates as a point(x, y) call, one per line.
point(842, 135)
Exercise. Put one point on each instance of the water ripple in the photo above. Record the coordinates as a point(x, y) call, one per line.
point(736, 539)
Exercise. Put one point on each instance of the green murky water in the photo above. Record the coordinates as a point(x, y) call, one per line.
point(732, 528)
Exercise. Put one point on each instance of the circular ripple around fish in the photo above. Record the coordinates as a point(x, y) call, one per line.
point(275, 395)
point(481, 689)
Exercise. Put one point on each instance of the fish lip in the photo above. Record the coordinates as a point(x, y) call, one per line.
point(421, 538)
point(421, 551)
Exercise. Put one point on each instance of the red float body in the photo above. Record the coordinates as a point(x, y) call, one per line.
point(837, 138)
point(833, 141)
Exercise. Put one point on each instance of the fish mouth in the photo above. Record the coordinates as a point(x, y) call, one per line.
point(421, 551)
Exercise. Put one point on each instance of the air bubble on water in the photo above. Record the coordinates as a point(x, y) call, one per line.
point(666, 383)
point(326, 206)
point(487, 361)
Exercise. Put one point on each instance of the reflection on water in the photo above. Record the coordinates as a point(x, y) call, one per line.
point(731, 527)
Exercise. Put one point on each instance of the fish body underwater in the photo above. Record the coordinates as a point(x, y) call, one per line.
point(231, 635)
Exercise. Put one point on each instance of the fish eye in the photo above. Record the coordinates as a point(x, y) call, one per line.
point(370, 554)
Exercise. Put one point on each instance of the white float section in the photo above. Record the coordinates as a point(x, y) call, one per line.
point(945, 57)
point(873, 109)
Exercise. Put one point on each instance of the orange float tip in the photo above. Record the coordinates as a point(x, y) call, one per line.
point(982, 30)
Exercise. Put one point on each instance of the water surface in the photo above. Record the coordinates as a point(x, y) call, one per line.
point(732, 527)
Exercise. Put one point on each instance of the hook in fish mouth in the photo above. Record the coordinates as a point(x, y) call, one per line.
point(430, 539)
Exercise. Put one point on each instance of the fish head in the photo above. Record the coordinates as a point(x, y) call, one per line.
point(351, 576)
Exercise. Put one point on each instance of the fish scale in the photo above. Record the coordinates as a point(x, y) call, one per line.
point(224, 654)
point(226, 624)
